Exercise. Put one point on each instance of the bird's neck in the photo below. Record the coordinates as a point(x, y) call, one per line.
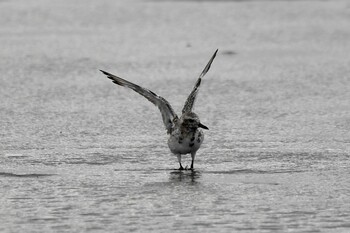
point(185, 129)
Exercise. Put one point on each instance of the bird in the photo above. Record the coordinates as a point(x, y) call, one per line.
point(185, 132)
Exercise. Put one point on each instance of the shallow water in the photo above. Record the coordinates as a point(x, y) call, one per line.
point(80, 154)
point(246, 192)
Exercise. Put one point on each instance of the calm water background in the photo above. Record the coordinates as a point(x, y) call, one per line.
point(79, 154)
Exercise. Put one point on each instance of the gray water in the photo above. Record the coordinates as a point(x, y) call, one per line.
point(80, 154)
point(108, 192)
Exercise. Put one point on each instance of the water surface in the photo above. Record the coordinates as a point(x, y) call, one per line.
point(80, 154)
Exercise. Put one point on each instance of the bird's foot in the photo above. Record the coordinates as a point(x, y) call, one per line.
point(181, 168)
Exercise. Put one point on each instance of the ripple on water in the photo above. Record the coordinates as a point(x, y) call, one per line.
point(29, 175)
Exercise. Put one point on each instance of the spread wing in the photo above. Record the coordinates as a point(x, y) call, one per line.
point(165, 108)
point(192, 97)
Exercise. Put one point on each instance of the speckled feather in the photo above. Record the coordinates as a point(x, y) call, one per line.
point(165, 108)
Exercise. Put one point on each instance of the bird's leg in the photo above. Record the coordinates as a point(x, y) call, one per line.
point(179, 159)
point(193, 154)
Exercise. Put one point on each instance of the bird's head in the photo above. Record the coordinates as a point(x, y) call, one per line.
point(191, 121)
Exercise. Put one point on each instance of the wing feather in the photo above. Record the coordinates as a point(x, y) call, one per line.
point(192, 97)
point(168, 114)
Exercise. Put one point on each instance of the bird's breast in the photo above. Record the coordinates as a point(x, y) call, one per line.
point(184, 143)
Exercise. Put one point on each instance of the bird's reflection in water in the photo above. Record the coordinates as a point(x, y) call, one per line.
point(190, 176)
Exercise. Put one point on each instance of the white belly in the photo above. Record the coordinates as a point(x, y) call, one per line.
point(184, 144)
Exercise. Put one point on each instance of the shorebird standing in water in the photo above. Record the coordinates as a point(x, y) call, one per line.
point(185, 134)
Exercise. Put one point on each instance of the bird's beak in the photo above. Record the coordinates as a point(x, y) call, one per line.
point(202, 126)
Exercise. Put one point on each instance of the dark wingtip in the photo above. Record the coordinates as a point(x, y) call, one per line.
point(214, 55)
point(110, 76)
point(104, 72)
point(207, 67)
